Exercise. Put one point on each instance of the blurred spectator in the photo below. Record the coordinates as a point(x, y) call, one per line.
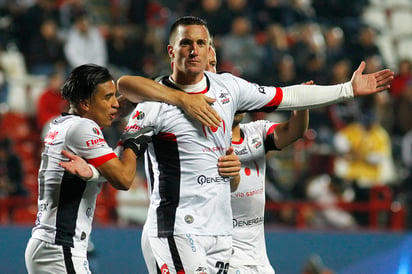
point(335, 45)
point(286, 13)
point(11, 171)
point(85, 44)
point(28, 23)
point(403, 111)
point(45, 52)
point(132, 205)
point(239, 8)
point(50, 103)
point(68, 11)
point(364, 157)
point(308, 42)
point(344, 112)
point(4, 86)
point(403, 75)
point(276, 48)
point(345, 14)
point(213, 12)
point(240, 51)
point(124, 50)
point(364, 46)
point(327, 191)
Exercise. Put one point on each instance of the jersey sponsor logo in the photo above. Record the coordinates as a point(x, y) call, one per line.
point(212, 149)
point(138, 115)
point(96, 131)
point(250, 222)
point(224, 98)
point(191, 242)
point(256, 142)
point(261, 89)
point(201, 270)
point(95, 142)
point(249, 193)
point(132, 128)
point(188, 219)
point(164, 269)
point(202, 179)
point(50, 137)
point(242, 151)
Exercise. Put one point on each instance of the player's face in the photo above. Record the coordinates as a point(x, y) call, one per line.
point(211, 65)
point(189, 52)
point(103, 105)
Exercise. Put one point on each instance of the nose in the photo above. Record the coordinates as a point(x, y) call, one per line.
point(115, 102)
point(194, 51)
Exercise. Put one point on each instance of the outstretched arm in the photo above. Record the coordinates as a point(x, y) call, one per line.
point(137, 88)
point(313, 96)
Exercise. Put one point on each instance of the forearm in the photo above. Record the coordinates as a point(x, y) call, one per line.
point(120, 172)
point(298, 123)
point(313, 96)
point(288, 132)
point(137, 88)
point(234, 183)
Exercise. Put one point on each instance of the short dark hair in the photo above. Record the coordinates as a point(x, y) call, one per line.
point(186, 21)
point(82, 82)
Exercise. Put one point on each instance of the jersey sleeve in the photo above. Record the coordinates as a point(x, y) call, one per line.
point(266, 129)
point(254, 97)
point(144, 115)
point(86, 140)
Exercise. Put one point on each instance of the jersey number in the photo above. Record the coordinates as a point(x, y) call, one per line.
point(223, 267)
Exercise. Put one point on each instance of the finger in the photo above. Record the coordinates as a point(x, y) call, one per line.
point(68, 155)
point(212, 116)
point(209, 100)
point(361, 67)
point(230, 150)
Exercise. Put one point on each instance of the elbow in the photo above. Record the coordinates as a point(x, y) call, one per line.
point(123, 184)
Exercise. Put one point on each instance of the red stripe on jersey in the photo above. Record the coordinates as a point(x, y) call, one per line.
point(238, 142)
point(167, 136)
point(277, 99)
point(271, 129)
point(257, 168)
point(96, 162)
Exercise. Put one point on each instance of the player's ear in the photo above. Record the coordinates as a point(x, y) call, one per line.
point(84, 104)
point(170, 51)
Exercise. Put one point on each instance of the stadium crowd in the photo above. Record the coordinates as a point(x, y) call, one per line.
point(351, 147)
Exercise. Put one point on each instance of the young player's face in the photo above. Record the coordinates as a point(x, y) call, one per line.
point(103, 105)
point(211, 65)
point(189, 51)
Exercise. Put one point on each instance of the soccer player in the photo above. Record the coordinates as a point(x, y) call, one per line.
point(189, 224)
point(66, 202)
point(251, 142)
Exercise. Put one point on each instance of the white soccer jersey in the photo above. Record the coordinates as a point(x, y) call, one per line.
point(188, 194)
point(248, 201)
point(66, 203)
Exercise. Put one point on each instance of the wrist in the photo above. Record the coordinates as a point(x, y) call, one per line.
point(95, 173)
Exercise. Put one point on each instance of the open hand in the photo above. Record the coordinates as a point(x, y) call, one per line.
point(76, 165)
point(198, 106)
point(365, 84)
